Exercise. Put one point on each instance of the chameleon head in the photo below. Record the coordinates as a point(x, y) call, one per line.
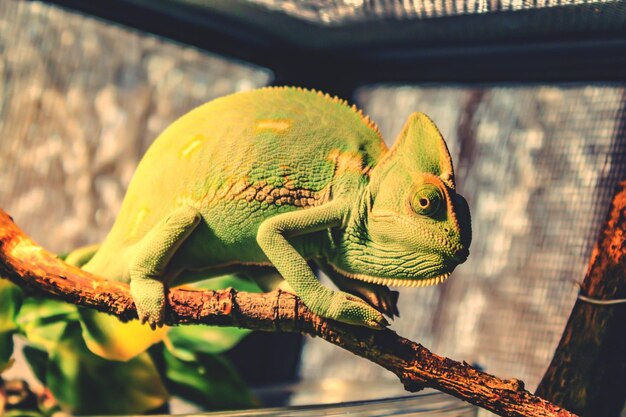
point(411, 227)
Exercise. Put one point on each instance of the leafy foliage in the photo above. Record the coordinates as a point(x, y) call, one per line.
point(10, 302)
point(89, 384)
point(42, 321)
point(207, 380)
point(188, 363)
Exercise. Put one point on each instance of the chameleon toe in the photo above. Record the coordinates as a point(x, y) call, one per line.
point(352, 310)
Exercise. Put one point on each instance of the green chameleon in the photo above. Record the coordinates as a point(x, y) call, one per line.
point(280, 179)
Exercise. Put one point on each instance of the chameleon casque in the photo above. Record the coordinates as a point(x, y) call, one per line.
point(278, 179)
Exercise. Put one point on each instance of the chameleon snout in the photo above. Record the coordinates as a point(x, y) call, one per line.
point(461, 255)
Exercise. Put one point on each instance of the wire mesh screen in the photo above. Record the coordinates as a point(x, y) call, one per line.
point(80, 102)
point(334, 12)
point(538, 166)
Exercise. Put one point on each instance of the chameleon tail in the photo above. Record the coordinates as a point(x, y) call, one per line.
point(104, 334)
point(79, 257)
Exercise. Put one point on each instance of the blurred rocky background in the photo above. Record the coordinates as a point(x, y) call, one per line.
point(80, 102)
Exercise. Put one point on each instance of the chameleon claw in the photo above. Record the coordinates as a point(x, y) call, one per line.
point(349, 309)
point(377, 324)
point(152, 320)
point(383, 323)
point(158, 323)
point(148, 295)
point(380, 324)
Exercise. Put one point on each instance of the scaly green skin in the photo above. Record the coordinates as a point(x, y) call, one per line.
point(280, 177)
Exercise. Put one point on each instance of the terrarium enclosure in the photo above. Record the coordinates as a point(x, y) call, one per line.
point(537, 133)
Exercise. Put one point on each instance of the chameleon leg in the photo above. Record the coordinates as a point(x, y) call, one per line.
point(379, 296)
point(151, 256)
point(273, 237)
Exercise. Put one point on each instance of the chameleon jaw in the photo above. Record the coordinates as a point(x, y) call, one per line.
point(397, 282)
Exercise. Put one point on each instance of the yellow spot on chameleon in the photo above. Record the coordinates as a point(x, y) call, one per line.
point(275, 125)
point(188, 200)
point(233, 189)
point(346, 161)
point(139, 218)
point(194, 144)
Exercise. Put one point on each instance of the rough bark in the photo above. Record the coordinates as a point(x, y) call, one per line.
point(588, 370)
point(28, 265)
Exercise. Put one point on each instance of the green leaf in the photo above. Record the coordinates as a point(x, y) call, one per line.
point(84, 383)
point(10, 302)
point(23, 413)
point(40, 310)
point(6, 351)
point(209, 381)
point(235, 281)
point(208, 339)
point(205, 339)
point(42, 321)
point(38, 361)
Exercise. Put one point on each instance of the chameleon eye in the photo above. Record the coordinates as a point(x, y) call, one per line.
point(427, 200)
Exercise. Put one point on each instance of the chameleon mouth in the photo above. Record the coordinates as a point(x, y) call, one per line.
point(397, 282)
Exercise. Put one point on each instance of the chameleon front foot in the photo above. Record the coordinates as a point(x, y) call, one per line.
point(378, 296)
point(352, 310)
point(149, 297)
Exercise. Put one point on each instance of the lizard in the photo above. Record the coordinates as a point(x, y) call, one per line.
point(275, 180)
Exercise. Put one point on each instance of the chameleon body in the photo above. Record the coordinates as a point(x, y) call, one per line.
point(277, 179)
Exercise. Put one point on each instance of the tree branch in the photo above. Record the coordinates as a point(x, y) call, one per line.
point(590, 356)
point(28, 265)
